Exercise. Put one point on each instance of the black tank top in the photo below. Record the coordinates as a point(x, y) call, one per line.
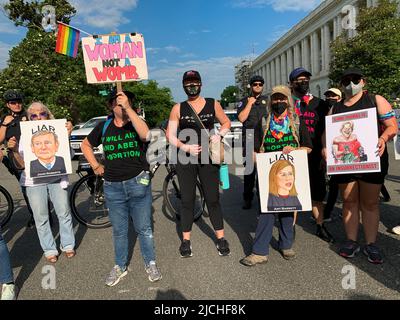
point(206, 115)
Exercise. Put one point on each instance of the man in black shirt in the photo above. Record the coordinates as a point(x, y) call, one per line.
point(10, 128)
point(313, 111)
point(251, 111)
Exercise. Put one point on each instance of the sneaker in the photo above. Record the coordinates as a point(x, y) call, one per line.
point(185, 249)
point(223, 247)
point(246, 205)
point(349, 249)
point(396, 229)
point(373, 253)
point(116, 275)
point(153, 272)
point(288, 254)
point(9, 292)
point(253, 259)
point(323, 233)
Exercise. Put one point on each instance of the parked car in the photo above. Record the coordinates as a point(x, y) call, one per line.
point(78, 135)
point(236, 125)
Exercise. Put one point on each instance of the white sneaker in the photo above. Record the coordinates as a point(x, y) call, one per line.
point(9, 292)
point(396, 229)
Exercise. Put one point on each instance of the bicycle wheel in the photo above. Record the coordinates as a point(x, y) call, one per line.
point(6, 206)
point(88, 202)
point(172, 197)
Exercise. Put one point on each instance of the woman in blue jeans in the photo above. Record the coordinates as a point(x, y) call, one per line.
point(8, 291)
point(38, 190)
point(127, 186)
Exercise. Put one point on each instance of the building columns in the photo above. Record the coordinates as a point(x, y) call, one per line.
point(277, 70)
point(283, 68)
point(297, 58)
point(325, 46)
point(314, 54)
point(289, 61)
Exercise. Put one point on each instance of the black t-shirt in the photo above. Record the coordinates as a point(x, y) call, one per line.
point(254, 121)
point(124, 151)
point(313, 115)
point(13, 128)
point(271, 144)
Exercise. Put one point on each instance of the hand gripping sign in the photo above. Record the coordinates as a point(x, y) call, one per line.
point(115, 58)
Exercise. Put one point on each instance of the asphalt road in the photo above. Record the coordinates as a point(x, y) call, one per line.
point(318, 272)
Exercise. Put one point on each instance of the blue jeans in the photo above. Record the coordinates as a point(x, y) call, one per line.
point(39, 202)
point(264, 230)
point(132, 199)
point(6, 275)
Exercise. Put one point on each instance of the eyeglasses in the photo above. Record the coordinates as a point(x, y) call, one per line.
point(257, 84)
point(192, 84)
point(14, 102)
point(355, 80)
point(34, 116)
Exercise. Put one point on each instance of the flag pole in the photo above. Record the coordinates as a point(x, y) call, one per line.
point(74, 28)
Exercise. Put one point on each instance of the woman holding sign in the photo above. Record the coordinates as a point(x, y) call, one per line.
point(360, 192)
point(39, 188)
point(285, 132)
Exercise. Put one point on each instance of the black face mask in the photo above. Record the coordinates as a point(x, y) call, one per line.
point(192, 91)
point(330, 102)
point(279, 107)
point(302, 87)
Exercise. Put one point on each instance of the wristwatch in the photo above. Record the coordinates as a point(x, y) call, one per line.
point(4, 125)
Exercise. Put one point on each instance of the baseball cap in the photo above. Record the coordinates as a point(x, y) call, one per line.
point(352, 71)
point(334, 91)
point(282, 90)
point(113, 95)
point(297, 72)
point(12, 95)
point(256, 78)
point(191, 75)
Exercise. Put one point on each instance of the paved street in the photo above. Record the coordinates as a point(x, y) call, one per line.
point(315, 274)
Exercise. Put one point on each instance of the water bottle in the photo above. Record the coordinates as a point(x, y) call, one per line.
point(224, 176)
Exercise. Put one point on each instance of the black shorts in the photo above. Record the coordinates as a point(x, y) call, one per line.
point(373, 177)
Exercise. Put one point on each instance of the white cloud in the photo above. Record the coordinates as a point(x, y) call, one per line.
point(279, 5)
point(216, 74)
point(172, 49)
point(4, 54)
point(103, 14)
point(163, 61)
point(188, 55)
point(169, 49)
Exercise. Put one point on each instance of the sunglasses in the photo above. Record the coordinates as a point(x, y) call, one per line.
point(34, 116)
point(355, 80)
point(257, 84)
point(15, 102)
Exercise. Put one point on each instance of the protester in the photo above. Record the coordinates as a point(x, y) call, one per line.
point(9, 290)
point(360, 192)
point(38, 191)
point(127, 185)
point(313, 110)
point(251, 111)
point(10, 129)
point(189, 167)
point(285, 132)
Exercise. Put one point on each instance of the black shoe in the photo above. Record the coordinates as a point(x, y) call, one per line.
point(323, 233)
point(246, 205)
point(185, 249)
point(223, 247)
point(31, 223)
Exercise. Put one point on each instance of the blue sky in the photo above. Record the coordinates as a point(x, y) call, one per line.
point(210, 36)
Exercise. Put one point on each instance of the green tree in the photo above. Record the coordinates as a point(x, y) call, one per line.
point(375, 50)
point(229, 95)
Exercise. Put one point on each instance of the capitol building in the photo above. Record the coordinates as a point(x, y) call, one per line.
point(307, 45)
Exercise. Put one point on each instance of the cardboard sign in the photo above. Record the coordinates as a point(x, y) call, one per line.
point(115, 58)
point(45, 147)
point(351, 142)
point(397, 137)
point(283, 181)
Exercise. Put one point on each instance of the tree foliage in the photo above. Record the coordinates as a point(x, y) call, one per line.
point(375, 50)
point(229, 95)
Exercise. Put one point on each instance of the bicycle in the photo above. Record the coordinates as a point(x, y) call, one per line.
point(6, 206)
point(171, 191)
point(87, 198)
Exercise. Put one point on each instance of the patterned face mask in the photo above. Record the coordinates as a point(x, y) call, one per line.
point(279, 127)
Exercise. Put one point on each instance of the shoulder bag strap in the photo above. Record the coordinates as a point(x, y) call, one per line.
point(196, 118)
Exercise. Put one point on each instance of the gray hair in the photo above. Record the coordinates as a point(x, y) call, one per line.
point(44, 133)
point(44, 108)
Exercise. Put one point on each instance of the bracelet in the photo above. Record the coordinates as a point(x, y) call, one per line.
point(94, 169)
point(4, 125)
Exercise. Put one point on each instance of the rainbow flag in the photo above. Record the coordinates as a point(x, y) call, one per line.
point(67, 40)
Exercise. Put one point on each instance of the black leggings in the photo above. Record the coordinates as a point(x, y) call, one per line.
point(209, 179)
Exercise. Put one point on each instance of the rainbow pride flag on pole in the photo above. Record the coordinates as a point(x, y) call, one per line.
point(67, 40)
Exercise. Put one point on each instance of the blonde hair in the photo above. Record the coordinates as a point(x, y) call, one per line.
point(44, 108)
point(276, 167)
point(347, 122)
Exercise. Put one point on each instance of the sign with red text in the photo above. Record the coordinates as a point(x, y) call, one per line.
point(115, 58)
point(283, 181)
point(352, 142)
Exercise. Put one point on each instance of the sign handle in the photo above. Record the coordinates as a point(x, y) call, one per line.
point(119, 86)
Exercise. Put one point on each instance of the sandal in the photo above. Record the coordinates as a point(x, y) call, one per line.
point(52, 259)
point(70, 254)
